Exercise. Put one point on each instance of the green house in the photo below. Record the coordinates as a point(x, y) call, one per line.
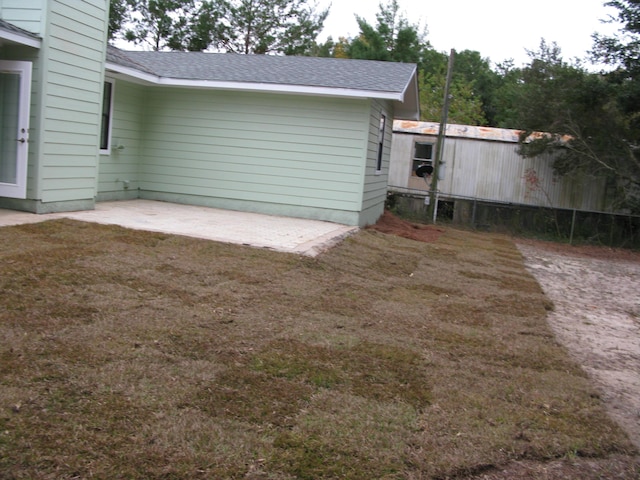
point(84, 122)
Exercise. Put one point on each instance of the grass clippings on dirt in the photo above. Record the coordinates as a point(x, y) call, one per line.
point(129, 354)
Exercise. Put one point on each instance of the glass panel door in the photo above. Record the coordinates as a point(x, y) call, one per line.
point(9, 104)
point(15, 94)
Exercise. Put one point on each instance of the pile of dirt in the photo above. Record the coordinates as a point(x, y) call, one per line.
point(393, 225)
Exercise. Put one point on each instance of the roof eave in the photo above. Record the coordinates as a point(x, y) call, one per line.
point(409, 107)
point(146, 78)
point(16, 38)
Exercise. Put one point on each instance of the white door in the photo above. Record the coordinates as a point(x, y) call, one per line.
point(15, 95)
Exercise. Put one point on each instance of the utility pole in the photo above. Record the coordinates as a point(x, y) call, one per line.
point(433, 193)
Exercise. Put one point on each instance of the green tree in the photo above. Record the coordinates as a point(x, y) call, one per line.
point(157, 23)
point(505, 95)
point(480, 84)
point(466, 106)
point(118, 16)
point(391, 39)
point(621, 50)
point(547, 90)
point(289, 27)
point(272, 26)
point(586, 127)
point(205, 28)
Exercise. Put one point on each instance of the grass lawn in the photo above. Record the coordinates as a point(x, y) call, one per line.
point(129, 354)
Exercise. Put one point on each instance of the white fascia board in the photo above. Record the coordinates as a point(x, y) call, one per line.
point(253, 87)
point(280, 88)
point(411, 88)
point(13, 37)
point(132, 73)
point(411, 98)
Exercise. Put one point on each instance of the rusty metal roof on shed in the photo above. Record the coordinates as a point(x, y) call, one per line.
point(466, 131)
point(454, 130)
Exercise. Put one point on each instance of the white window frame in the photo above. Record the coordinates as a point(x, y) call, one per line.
point(112, 82)
point(426, 161)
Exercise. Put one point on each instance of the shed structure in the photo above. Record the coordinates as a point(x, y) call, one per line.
point(482, 163)
point(296, 136)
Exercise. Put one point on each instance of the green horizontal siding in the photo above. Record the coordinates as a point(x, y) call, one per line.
point(54, 172)
point(283, 167)
point(65, 149)
point(375, 185)
point(277, 149)
point(57, 135)
point(69, 80)
point(26, 14)
point(61, 117)
point(73, 65)
point(123, 165)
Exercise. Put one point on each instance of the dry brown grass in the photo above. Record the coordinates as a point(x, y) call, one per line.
point(129, 354)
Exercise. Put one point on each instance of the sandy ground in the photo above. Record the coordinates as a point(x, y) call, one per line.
point(596, 293)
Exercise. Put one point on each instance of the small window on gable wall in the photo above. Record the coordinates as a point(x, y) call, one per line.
point(422, 154)
point(106, 119)
point(383, 125)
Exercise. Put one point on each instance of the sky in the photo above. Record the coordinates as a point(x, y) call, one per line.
point(498, 29)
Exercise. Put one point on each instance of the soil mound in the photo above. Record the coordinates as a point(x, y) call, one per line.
point(393, 225)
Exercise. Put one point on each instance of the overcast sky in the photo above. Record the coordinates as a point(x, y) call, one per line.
point(498, 29)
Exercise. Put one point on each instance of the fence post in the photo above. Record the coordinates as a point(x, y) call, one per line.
point(473, 214)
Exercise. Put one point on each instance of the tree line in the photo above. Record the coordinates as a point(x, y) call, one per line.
point(593, 119)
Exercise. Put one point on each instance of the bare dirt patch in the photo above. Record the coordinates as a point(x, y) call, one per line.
point(394, 225)
point(597, 317)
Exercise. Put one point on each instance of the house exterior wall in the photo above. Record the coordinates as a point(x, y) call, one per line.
point(375, 185)
point(119, 170)
point(493, 171)
point(288, 155)
point(74, 50)
point(67, 82)
point(30, 15)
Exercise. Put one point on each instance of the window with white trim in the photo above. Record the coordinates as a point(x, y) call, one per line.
point(106, 117)
point(422, 155)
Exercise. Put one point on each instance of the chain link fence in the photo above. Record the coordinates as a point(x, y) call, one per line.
point(572, 226)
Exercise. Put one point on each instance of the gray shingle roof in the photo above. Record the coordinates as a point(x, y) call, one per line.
point(10, 28)
point(364, 75)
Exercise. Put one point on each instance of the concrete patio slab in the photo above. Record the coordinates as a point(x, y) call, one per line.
point(283, 234)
